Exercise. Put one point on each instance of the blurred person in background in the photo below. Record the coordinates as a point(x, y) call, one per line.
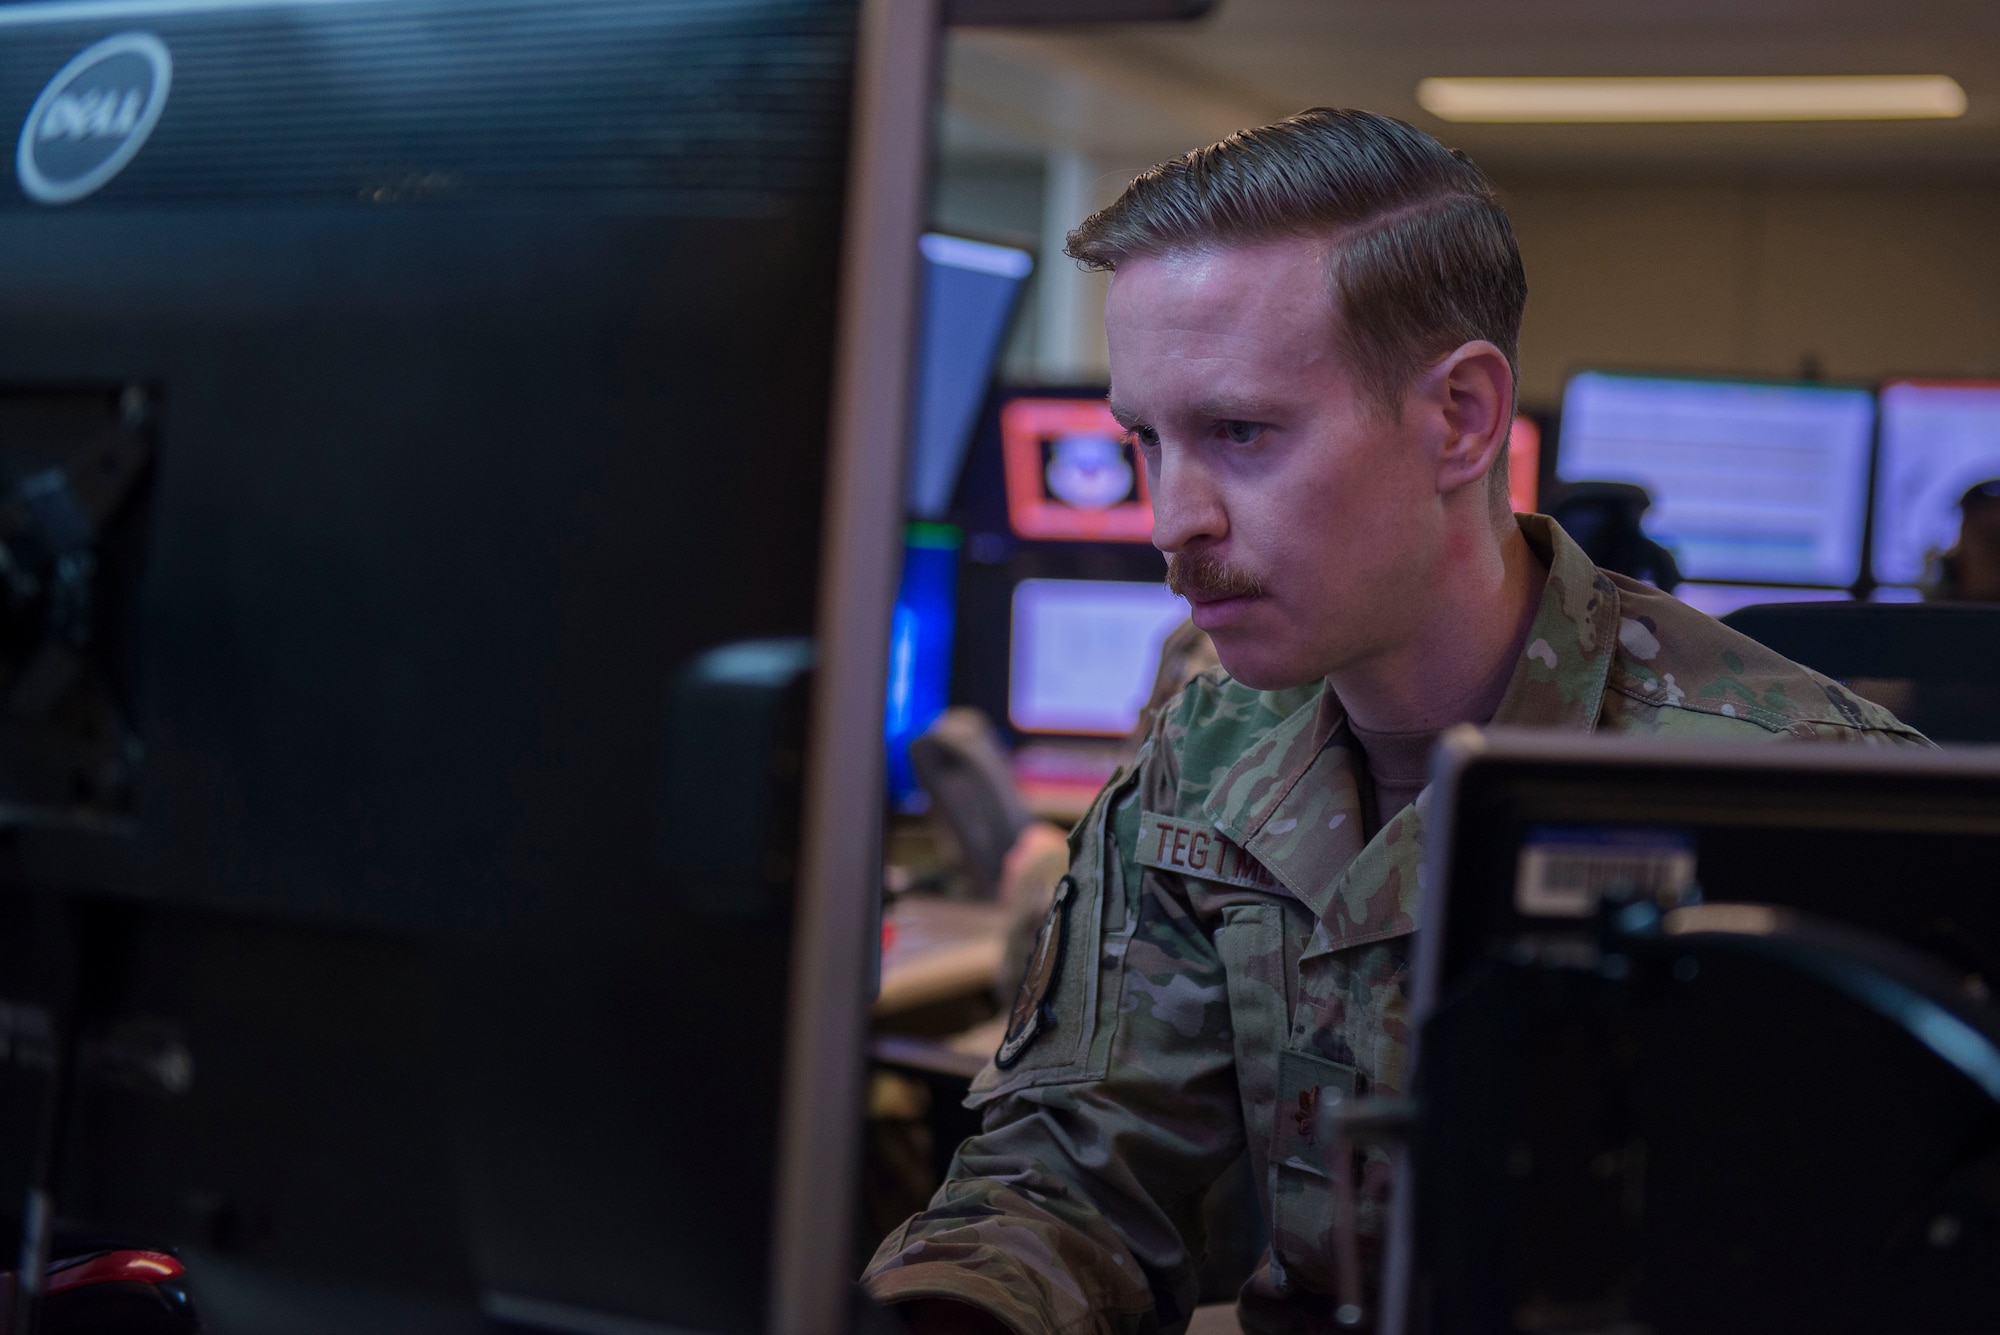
point(1970, 571)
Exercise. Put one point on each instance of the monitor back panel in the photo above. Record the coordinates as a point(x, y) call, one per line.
point(1900, 842)
point(489, 346)
point(1718, 1106)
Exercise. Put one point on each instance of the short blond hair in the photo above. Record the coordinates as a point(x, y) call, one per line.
point(1426, 260)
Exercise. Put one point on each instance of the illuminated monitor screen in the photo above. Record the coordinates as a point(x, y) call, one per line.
point(1524, 464)
point(1085, 653)
point(1938, 440)
point(1073, 474)
point(970, 291)
point(1719, 600)
point(1765, 483)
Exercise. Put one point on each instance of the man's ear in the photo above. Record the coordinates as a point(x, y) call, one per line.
point(1473, 387)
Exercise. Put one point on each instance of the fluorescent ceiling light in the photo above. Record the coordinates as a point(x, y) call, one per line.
point(1863, 97)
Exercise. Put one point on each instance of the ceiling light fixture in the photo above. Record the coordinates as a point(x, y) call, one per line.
point(1862, 97)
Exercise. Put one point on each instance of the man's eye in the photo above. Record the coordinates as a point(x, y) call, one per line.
point(1147, 438)
point(1242, 433)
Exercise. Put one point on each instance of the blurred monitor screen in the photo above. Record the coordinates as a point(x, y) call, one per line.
point(1085, 652)
point(1072, 473)
point(1524, 462)
point(1719, 600)
point(970, 291)
point(1939, 439)
point(920, 634)
point(1760, 482)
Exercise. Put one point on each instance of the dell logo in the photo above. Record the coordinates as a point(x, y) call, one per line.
point(93, 117)
point(98, 114)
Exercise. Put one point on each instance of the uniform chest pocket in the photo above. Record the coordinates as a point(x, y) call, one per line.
point(1303, 1195)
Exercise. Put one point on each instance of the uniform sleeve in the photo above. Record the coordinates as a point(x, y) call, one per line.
point(1078, 1207)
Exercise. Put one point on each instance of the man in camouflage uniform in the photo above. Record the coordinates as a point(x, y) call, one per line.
point(1235, 930)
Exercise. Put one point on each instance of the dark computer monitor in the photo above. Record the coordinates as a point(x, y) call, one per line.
point(1527, 825)
point(1940, 438)
point(416, 487)
point(1751, 481)
point(1680, 1137)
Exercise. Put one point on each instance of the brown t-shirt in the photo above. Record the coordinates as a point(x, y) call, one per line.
point(1398, 768)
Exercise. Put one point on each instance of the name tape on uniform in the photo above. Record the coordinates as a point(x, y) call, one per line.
point(1191, 849)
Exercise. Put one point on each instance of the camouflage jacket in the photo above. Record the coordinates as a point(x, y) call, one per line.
point(1228, 941)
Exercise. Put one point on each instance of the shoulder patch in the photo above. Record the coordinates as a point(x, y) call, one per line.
point(1032, 1014)
point(1192, 848)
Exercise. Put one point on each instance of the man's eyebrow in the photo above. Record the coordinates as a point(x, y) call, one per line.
point(1232, 410)
point(1223, 409)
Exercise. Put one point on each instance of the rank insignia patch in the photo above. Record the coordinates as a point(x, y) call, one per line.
point(1032, 1013)
point(1309, 1087)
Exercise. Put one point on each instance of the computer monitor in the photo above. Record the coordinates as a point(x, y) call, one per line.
point(1039, 585)
point(482, 356)
point(920, 643)
point(1073, 473)
point(1686, 1157)
point(1757, 482)
point(1719, 600)
point(1939, 439)
point(1524, 464)
point(1085, 653)
point(996, 556)
point(1526, 826)
point(970, 291)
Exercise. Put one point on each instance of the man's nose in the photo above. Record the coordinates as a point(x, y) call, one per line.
point(1187, 512)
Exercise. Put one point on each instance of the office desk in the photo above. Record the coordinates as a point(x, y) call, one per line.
point(939, 949)
point(1060, 781)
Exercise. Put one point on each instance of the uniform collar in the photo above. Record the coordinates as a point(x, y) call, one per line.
point(1559, 679)
point(1292, 801)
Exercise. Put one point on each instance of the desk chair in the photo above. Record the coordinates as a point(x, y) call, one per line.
point(1605, 519)
point(1936, 665)
point(962, 766)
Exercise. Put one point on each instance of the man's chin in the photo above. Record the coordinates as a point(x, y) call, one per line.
point(1257, 667)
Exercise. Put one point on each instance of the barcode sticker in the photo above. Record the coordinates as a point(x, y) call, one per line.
point(1563, 873)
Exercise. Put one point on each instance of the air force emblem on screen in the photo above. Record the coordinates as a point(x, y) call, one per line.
point(93, 117)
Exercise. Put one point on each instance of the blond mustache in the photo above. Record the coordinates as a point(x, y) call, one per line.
point(1208, 577)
